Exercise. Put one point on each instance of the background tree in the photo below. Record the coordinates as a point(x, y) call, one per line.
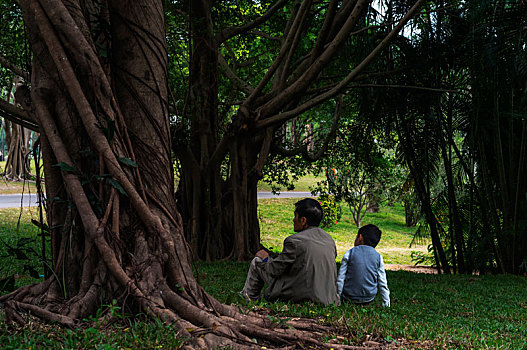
point(13, 56)
point(455, 134)
point(255, 71)
point(361, 168)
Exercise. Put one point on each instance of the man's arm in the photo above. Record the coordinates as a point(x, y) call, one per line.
point(276, 267)
point(382, 285)
point(342, 272)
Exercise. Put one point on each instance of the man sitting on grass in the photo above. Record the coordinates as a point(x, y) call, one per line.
point(305, 270)
point(362, 272)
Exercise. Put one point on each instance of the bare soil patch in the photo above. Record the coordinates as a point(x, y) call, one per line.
point(12, 187)
point(411, 268)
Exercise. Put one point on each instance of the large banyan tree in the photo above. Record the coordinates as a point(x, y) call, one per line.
point(253, 70)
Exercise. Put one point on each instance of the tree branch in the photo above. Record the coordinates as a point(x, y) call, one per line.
point(232, 75)
point(265, 35)
point(303, 150)
point(320, 63)
point(324, 31)
point(294, 24)
point(281, 117)
point(17, 116)
point(404, 87)
point(303, 12)
point(13, 68)
point(233, 31)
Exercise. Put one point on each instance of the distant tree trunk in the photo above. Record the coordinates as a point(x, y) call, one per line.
point(411, 215)
point(455, 226)
point(423, 195)
point(17, 162)
point(17, 141)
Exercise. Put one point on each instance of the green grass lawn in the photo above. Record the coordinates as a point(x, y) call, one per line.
point(303, 184)
point(20, 245)
point(10, 187)
point(276, 223)
point(434, 311)
point(453, 312)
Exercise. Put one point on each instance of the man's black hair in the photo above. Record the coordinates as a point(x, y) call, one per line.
point(371, 235)
point(309, 209)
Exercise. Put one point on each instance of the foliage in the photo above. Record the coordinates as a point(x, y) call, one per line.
point(13, 46)
point(457, 107)
point(420, 258)
point(20, 248)
point(331, 208)
point(284, 172)
point(361, 169)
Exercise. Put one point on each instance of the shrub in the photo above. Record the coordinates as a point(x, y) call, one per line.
point(331, 208)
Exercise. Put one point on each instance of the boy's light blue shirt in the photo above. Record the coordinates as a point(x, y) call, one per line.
point(382, 282)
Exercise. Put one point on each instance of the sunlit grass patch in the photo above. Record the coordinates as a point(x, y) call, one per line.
point(276, 223)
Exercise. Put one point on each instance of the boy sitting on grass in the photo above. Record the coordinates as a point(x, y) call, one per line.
point(362, 273)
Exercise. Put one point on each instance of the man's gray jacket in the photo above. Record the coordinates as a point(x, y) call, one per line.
point(305, 270)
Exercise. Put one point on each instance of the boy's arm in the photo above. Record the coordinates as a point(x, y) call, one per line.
point(342, 272)
point(382, 285)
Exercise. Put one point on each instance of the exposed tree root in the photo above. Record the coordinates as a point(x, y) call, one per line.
point(206, 331)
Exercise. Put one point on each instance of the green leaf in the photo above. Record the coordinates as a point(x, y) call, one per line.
point(128, 161)
point(65, 167)
point(117, 186)
point(102, 177)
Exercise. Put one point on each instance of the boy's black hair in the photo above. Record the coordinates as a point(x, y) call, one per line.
point(311, 210)
point(371, 235)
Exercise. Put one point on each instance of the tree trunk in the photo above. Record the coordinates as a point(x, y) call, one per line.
point(455, 226)
point(221, 211)
point(411, 214)
point(423, 194)
point(17, 141)
point(17, 162)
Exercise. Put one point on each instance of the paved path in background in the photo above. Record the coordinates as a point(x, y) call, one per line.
point(14, 200)
point(262, 194)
